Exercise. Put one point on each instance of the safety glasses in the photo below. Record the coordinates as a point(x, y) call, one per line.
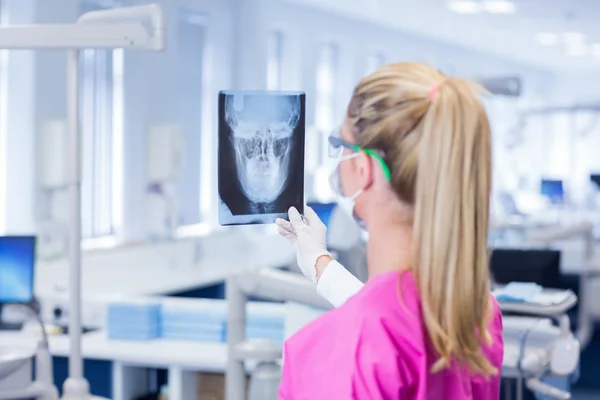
point(337, 146)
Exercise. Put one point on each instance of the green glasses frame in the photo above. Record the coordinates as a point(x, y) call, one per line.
point(337, 142)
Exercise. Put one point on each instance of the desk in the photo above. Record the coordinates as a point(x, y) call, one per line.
point(182, 359)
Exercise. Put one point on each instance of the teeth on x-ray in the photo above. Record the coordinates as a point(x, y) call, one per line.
point(262, 138)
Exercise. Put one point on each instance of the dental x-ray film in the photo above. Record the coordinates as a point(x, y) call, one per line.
point(261, 155)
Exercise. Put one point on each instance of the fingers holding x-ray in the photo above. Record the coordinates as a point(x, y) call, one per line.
point(285, 229)
point(295, 219)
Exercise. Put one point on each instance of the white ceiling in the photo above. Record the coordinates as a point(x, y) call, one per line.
point(510, 36)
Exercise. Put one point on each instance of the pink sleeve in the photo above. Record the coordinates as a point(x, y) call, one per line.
point(379, 365)
point(285, 387)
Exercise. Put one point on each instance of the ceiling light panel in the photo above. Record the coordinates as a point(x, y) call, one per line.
point(498, 6)
point(465, 6)
point(577, 50)
point(573, 38)
point(547, 38)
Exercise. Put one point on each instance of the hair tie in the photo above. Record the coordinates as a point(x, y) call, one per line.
point(433, 92)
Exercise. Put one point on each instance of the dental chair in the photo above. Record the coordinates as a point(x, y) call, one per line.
point(539, 343)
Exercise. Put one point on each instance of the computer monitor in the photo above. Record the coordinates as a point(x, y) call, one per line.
point(17, 261)
point(553, 189)
point(323, 210)
point(526, 265)
point(595, 178)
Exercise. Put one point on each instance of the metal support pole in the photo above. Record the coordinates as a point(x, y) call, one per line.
point(74, 169)
point(235, 377)
point(75, 386)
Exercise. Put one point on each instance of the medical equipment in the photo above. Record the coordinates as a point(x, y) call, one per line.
point(533, 349)
point(106, 29)
point(585, 230)
point(544, 236)
point(15, 363)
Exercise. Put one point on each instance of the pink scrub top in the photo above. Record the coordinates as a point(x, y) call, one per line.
point(375, 348)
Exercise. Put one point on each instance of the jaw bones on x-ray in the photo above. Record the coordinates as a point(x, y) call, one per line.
point(261, 155)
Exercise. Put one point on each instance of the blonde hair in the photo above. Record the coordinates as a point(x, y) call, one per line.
point(436, 139)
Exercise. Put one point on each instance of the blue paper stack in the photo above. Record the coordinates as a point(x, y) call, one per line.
point(265, 321)
point(134, 320)
point(201, 320)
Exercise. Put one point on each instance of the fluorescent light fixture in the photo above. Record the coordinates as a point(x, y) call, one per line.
point(573, 38)
point(577, 50)
point(595, 50)
point(465, 6)
point(499, 6)
point(547, 38)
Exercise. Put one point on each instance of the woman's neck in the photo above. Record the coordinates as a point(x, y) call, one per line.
point(389, 248)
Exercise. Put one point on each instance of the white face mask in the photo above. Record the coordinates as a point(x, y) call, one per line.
point(346, 203)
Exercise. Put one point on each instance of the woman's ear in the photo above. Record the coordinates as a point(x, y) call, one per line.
point(365, 170)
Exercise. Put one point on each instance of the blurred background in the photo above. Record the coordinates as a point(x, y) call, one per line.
point(149, 138)
point(547, 127)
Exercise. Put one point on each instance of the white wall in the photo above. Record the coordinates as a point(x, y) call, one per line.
point(237, 50)
point(20, 124)
point(149, 95)
point(307, 28)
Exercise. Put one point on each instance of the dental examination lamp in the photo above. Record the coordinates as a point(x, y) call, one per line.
point(105, 29)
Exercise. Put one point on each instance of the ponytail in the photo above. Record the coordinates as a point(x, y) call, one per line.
point(436, 139)
point(451, 217)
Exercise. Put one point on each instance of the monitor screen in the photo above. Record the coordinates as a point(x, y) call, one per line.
point(323, 210)
point(17, 260)
point(553, 190)
point(595, 178)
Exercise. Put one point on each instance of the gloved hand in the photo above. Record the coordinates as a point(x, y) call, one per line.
point(309, 237)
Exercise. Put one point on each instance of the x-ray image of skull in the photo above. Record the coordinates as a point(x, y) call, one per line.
point(262, 129)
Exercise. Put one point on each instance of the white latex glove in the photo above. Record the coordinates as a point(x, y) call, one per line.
point(309, 237)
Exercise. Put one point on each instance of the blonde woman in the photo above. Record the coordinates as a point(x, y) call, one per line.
point(415, 170)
